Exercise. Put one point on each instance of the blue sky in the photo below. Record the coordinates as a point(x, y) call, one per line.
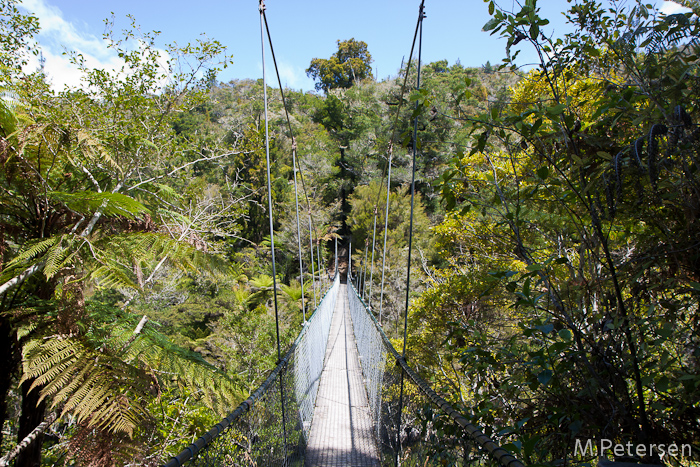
point(300, 31)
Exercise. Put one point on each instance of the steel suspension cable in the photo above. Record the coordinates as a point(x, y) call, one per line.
point(296, 203)
point(311, 247)
point(386, 229)
point(364, 268)
point(421, 16)
point(371, 274)
point(295, 161)
point(272, 232)
point(387, 169)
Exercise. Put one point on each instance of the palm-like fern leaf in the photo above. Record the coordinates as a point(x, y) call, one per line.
point(102, 376)
point(111, 204)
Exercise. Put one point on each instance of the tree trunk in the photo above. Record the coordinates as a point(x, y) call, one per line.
point(32, 415)
point(8, 366)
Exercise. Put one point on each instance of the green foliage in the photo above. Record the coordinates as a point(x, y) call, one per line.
point(16, 41)
point(102, 376)
point(566, 302)
point(91, 199)
point(349, 65)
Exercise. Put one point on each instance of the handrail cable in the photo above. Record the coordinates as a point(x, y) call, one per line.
point(295, 160)
point(505, 458)
point(421, 16)
point(261, 7)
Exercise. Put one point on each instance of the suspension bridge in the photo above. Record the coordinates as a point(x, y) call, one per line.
point(342, 395)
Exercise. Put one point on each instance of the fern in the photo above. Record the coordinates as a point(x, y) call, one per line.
point(111, 204)
point(33, 250)
point(118, 254)
point(102, 377)
point(94, 150)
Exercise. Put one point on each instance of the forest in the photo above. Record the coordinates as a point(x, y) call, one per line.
point(555, 274)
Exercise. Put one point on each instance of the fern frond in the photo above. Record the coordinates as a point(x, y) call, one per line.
point(33, 250)
point(112, 204)
point(55, 259)
point(114, 276)
point(88, 383)
point(93, 149)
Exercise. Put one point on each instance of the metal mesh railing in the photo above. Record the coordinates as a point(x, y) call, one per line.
point(253, 434)
point(431, 432)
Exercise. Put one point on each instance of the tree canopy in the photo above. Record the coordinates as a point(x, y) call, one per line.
point(351, 64)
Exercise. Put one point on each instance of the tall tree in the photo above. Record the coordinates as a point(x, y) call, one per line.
point(349, 65)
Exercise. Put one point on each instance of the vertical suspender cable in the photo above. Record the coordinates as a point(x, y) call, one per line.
point(421, 15)
point(296, 201)
point(296, 163)
point(386, 228)
point(349, 274)
point(320, 262)
point(272, 233)
point(391, 152)
point(313, 268)
point(371, 274)
point(364, 269)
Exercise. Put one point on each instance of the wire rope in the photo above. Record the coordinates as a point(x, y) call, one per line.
point(295, 160)
point(296, 203)
point(272, 232)
point(371, 274)
point(387, 169)
point(421, 16)
point(386, 229)
point(364, 268)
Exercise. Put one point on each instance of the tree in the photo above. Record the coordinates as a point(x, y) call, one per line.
point(16, 40)
point(81, 184)
point(587, 183)
point(349, 65)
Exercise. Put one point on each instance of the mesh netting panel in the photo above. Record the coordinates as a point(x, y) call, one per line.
point(373, 352)
point(430, 432)
point(309, 354)
point(254, 434)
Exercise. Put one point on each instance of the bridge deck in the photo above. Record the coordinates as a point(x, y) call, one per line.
point(342, 431)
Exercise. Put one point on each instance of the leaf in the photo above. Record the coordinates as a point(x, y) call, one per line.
point(89, 202)
point(534, 31)
point(556, 110)
point(491, 24)
point(544, 377)
point(566, 334)
point(34, 250)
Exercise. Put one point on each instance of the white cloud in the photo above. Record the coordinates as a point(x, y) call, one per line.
point(671, 8)
point(293, 77)
point(58, 37)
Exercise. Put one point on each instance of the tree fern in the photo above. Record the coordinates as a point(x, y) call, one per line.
point(102, 377)
point(94, 150)
point(111, 204)
point(31, 251)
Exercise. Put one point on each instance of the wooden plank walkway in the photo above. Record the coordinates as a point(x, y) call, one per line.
point(342, 430)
